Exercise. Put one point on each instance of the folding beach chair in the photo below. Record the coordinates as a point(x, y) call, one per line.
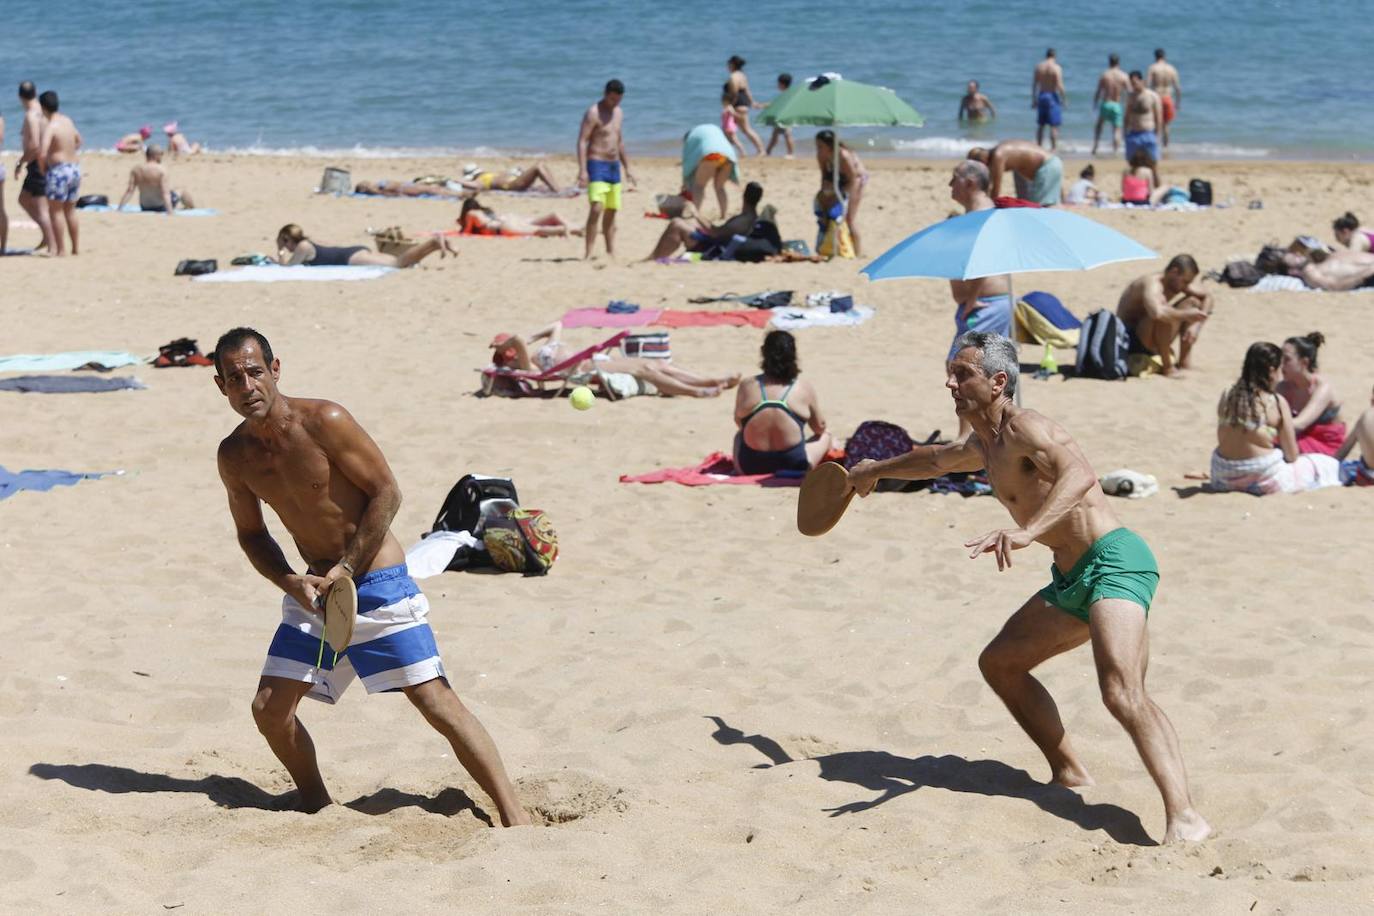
point(528, 381)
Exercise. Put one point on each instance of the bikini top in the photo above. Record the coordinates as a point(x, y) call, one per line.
point(780, 403)
point(1264, 429)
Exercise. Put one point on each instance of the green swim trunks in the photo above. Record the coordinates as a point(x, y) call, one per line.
point(1118, 565)
point(1112, 113)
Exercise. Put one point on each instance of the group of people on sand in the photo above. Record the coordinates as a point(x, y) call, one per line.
point(1348, 266)
point(50, 172)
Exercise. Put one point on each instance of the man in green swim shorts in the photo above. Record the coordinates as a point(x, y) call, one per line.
point(1041, 476)
point(1111, 86)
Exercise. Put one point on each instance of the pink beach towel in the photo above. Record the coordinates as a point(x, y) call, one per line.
point(600, 318)
point(718, 468)
point(740, 318)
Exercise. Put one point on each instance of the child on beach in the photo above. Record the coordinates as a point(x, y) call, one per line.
point(784, 83)
point(727, 119)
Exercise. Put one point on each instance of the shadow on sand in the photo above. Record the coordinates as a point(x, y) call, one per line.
point(892, 776)
point(233, 792)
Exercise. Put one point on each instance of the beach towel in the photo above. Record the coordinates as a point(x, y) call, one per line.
point(716, 468)
point(702, 141)
point(1281, 283)
point(278, 274)
point(16, 252)
point(56, 362)
point(42, 481)
point(433, 554)
point(133, 208)
point(676, 318)
point(792, 319)
point(1040, 318)
point(68, 384)
point(1322, 438)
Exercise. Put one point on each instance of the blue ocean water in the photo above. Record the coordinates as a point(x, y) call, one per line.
point(1261, 79)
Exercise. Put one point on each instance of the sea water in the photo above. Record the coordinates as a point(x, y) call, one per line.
point(1263, 79)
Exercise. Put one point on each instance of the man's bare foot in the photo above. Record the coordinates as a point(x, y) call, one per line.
point(520, 818)
point(1188, 827)
point(295, 801)
point(1073, 778)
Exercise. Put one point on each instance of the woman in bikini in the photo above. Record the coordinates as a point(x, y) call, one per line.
point(853, 179)
point(1316, 409)
point(1257, 449)
point(294, 247)
point(476, 219)
point(738, 87)
point(1350, 235)
point(477, 179)
point(773, 413)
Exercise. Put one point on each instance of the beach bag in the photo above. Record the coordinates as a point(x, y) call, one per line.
point(1103, 345)
point(474, 499)
point(1041, 318)
point(1240, 273)
point(1200, 192)
point(336, 181)
point(879, 440)
point(521, 541)
point(190, 268)
point(180, 352)
point(647, 346)
point(392, 240)
point(92, 200)
point(836, 242)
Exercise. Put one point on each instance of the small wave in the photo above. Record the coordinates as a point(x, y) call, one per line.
point(376, 152)
point(944, 147)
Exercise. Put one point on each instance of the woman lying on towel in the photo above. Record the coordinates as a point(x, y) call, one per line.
point(387, 187)
point(1257, 451)
point(524, 179)
point(476, 219)
point(1316, 409)
point(773, 412)
point(294, 248)
point(651, 376)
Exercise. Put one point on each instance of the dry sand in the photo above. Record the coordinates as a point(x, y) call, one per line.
point(711, 712)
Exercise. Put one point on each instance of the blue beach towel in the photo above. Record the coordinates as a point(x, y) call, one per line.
point(68, 384)
point(131, 208)
point(42, 481)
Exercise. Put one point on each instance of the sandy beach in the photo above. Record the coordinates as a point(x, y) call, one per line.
point(709, 712)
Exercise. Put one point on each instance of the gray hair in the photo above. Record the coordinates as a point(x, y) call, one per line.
point(972, 168)
point(999, 355)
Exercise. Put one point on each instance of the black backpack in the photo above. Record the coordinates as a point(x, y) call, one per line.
point(1200, 192)
point(192, 268)
point(471, 500)
point(1102, 347)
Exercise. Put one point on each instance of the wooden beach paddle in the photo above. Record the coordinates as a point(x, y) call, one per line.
point(825, 494)
point(340, 608)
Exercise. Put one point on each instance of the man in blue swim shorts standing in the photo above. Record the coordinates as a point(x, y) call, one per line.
point(334, 491)
point(600, 156)
point(1144, 115)
point(57, 152)
point(1048, 98)
point(1101, 582)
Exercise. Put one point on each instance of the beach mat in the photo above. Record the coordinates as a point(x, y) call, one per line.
point(130, 208)
point(42, 481)
point(69, 384)
point(56, 362)
point(600, 318)
point(566, 193)
point(17, 252)
point(820, 316)
point(1281, 283)
point(299, 272)
point(716, 468)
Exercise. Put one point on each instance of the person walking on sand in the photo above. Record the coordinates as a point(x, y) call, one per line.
point(738, 86)
point(1102, 580)
point(32, 194)
point(1144, 114)
point(600, 156)
point(334, 492)
point(974, 107)
point(1048, 99)
point(61, 173)
point(1163, 79)
point(1111, 86)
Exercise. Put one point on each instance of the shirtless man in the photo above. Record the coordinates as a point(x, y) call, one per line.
point(1048, 99)
point(1111, 86)
point(31, 193)
point(1144, 113)
point(975, 107)
point(1043, 479)
point(1158, 309)
point(698, 235)
point(333, 490)
point(1163, 79)
point(1037, 175)
point(61, 173)
point(600, 156)
point(1338, 270)
point(150, 181)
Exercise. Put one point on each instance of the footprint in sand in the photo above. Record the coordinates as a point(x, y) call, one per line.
point(567, 797)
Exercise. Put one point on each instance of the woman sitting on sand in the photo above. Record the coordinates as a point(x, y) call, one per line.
point(656, 376)
point(1138, 181)
point(1350, 235)
point(524, 179)
point(294, 248)
point(1257, 451)
point(476, 219)
point(1316, 409)
point(773, 412)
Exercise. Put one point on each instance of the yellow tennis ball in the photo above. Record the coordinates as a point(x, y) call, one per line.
point(582, 398)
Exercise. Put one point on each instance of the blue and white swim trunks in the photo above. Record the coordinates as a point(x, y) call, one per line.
point(63, 182)
point(393, 646)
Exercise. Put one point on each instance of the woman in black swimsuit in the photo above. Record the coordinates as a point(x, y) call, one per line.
point(773, 412)
point(738, 83)
point(294, 248)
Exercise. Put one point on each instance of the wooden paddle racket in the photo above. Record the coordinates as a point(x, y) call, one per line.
point(340, 609)
point(825, 494)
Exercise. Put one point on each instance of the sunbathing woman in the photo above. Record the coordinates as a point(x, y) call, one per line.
point(388, 188)
point(773, 413)
point(482, 180)
point(1350, 235)
point(1316, 409)
point(476, 219)
point(1257, 451)
point(294, 248)
point(663, 377)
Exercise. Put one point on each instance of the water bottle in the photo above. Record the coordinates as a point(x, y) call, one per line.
point(1048, 365)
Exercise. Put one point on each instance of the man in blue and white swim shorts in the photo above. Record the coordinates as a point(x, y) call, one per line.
point(333, 490)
